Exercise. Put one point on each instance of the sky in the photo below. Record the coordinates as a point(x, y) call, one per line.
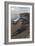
point(15, 11)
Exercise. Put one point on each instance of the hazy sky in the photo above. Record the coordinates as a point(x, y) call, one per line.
point(17, 10)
